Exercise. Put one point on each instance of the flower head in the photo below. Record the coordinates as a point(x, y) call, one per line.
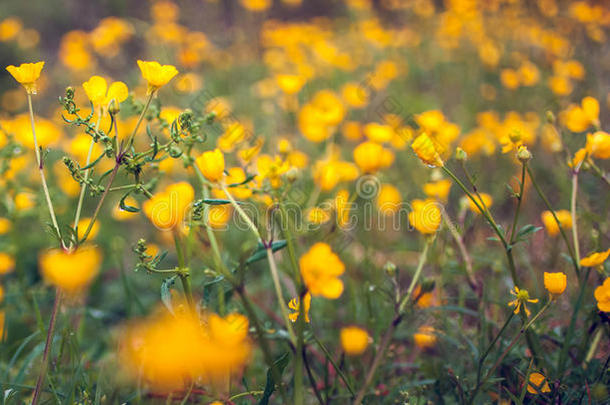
point(537, 383)
point(425, 216)
point(555, 283)
point(602, 295)
point(371, 156)
point(212, 165)
point(321, 268)
point(522, 298)
point(27, 74)
point(564, 217)
point(354, 340)
point(101, 95)
point(168, 208)
point(425, 337)
point(156, 75)
point(425, 150)
point(595, 259)
point(295, 305)
point(71, 271)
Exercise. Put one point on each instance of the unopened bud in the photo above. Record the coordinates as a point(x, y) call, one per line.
point(523, 154)
point(550, 117)
point(460, 155)
point(292, 174)
point(390, 269)
point(114, 107)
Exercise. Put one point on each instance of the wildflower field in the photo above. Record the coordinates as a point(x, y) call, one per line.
point(304, 202)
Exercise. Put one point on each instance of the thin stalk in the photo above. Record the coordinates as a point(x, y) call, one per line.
point(335, 366)
point(41, 171)
point(83, 189)
point(242, 214)
point(140, 118)
point(492, 344)
point(278, 291)
point(519, 200)
point(573, 212)
point(460, 242)
point(575, 262)
point(47, 347)
point(183, 271)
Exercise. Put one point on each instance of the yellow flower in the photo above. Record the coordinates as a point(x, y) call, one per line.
point(577, 118)
point(371, 156)
point(388, 199)
point(71, 271)
point(425, 338)
point(236, 176)
point(426, 151)
point(27, 74)
point(320, 269)
point(354, 340)
point(5, 225)
point(537, 383)
point(219, 215)
point(564, 217)
point(522, 298)
point(485, 202)
point(378, 132)
point(602, 295)
point(212, 165)
point(425, 216)
point(295, 305)
point(290, 84)
point(595, 259)
point(168, 208)
point(598, 145)
point(555, 283)
point(83, 224)
point(101, 95)
point(156, 74)
point(7, 263)
point(317, 215)
point(438, 189)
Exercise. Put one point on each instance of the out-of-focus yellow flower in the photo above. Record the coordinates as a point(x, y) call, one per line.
point(328, 173)
point(101, 95)
point(320, 269)
point(555, 283)
point(123, 215)
point(354, 340)
point(71, 271)
point(598, 145)
point(510, 78)
point(560, 85)
point(5, 225)
point(47, 133)
point(168, 350)
point(295, 305)
point(237, 175)
point(425, 216)
point(168, 208)
point(378, 132)
point(426, 151)
point(318, 216)
point(256, 5)
point(354, 95)
point(24, 201)
point(389, 200)
point(27, 74)
point(425, 337)
point(83, 224)
point(234, 134)
point(485, 201)
point(352, 130)
point(156, 74)
point(595, 259)
point(537, 383)
point(271, 169)
point(521, 300)
point(371, 156)
point(564, 217)
point(577, 118)
point(212, 165)
point(438, 189)
point(7, 263)
point(602, 295)
point(290, 84)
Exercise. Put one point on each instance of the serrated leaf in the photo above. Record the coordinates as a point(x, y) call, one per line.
point(279, 365)
point(166, 296)
point(261, 252)
point(126, 207)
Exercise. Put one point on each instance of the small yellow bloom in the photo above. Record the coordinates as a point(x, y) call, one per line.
point(426, 151)
point(219, 215)
point(156, 74)
point(522, 298)
point(537, 383)
point(7, 263)
point(318, 216)
point(564, 217)
point(71, 271)
point(290, 84)
point(595, 259)
point(212, 165)
point(5, 225)
point(320, 269)
point(598, 145)
point(295, 305)
point(101, 95)
point(602, 295)
point(485, 202)
point(27, 74)
point(371, 156)
point(354, 340)
point(425, 216)
point(168, 208)
point(438, 189)
point(389, 200)
point(555, 283)
point(425, 338)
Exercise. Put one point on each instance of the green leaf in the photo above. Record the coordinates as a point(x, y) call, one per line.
point(526, 231)
point(261, 252)
point(248, 180)
point(279, 365)
point(215, 201)
point(166, 296)
point(126, 207)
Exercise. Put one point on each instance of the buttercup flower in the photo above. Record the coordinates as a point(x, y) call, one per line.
point(425, 216)
point(156, 74)
point(484, 201)
point(438, 189)
point(27, 74)
point(425, 337)
point(426, 151)
point(71, 271)
point(212, 165)
point(295, 305)
point(101, 95)
point(168, 208)
point(555, 283)
point(354, 340)
point(522, 298)
point(537, 383)
point(564, 217)
point(371, 156)
point(602, 295)
point(7, 263)
point(595, 259)
point(320, 269)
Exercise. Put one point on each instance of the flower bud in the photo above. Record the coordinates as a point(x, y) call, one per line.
point(550, 117)
point(460, 155)
point(114, 107)
point(523, 154)
point(292, 174)
point(390, 269)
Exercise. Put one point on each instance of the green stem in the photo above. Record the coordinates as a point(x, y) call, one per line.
point(183, 271)
point(335, 366)
point(492, 344)
point(519, 200)
point(242, 214)
point(573, 212)
point(140, 118)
